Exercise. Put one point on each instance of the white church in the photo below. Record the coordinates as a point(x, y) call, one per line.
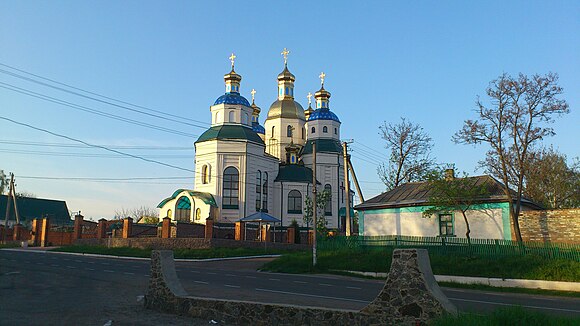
point(243, 167)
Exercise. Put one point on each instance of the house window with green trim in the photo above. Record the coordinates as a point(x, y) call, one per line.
point(294, 202)
point(446, 225)
point(231, 188)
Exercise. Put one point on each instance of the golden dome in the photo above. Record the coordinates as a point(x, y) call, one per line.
point(286, 74)
point(286, 108)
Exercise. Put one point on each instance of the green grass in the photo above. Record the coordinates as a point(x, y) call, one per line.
point(505, 316)
point(9, 245)
point(509, 289)
point(379, 260)
point(178, 253)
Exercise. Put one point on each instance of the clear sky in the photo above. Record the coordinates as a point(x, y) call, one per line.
point(423, 60)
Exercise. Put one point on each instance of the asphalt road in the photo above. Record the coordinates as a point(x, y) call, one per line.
point(50, 288)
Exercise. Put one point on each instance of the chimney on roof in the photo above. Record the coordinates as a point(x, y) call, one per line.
point(449, 174)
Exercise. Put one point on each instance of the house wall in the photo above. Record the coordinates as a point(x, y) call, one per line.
point(487, 221)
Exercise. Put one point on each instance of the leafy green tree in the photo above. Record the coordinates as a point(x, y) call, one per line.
point(322, 198)
point(514, 121)
point(3, 182)
point(551, 182)
point(448, 194)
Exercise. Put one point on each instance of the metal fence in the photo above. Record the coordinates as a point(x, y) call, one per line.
point(455, 246)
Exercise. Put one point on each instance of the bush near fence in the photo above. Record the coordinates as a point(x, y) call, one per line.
point(455, 246)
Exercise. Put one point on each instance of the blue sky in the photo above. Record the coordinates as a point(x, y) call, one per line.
point(426, 61)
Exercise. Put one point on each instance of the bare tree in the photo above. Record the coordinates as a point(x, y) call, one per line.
point(410, 149)
point(550, 181)
point(137, 213)
point(3, 182)
point(514, 121)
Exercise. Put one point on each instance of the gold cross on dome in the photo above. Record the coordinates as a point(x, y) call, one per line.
point(285, 53)
point(322, 75)
point(309, 98)
point(232, 59)
point(253, 92)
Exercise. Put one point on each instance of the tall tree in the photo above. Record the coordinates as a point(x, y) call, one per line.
point(410, 149)
point(322, 198)
point(449, 194)
point(550, 181)
point(137, 212)
point(3, 182)
point(513, 122)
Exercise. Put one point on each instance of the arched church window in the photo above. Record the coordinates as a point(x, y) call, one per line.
point(289, 131)
point(328, 206)
point(183, 209)
point(169, 213)
point(232, 116)
point(258, 191)
point(313, 130)
point(245, 118)
point(294, 202)
point(303, 132)
point(205, 174)
point(218, 117)
point(325, 129)
point(231, 187)
point(265, 192)
point(335, 131)
point(273, 129)
point(198, 214)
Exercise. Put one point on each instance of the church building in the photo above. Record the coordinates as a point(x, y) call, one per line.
point(243, 167)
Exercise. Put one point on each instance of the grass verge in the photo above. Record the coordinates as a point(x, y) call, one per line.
point(505, 316)
point(509, 289)
point(379, 260)
point(178, 253)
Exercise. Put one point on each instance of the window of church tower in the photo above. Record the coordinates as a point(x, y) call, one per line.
point(328, 206)
point(335, 131)
point(273, 129)
point(303, 132)
point(289, 131)
point(231, 186)
point(313, 130)
point(232, 116)
point(265, 192)
point(183, 209)
point(258, 191)
point(294, 202)
point(325, 129)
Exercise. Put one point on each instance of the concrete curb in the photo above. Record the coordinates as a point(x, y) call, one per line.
point(135, 258)
point(496, 282)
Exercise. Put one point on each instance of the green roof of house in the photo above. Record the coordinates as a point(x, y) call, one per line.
point(225, 132)
point(323, 145)
point(30, 208)
point(294, 173)
point(205, 197)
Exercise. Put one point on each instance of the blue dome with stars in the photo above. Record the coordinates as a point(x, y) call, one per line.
point(232, 98)
point(323, 114)
point(257, 128)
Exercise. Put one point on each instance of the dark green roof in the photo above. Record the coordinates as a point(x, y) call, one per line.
point(225, 132)
point(294, 173)
point(30, 208)
point(206, 197)
point(323, 145)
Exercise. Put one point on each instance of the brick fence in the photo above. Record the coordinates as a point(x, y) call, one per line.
point(558, 225)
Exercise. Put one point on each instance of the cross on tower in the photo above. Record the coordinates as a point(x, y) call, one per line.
point(285, 53)
point(309, 98)
point(232, 59)
point(322, 75)
point(253, 92)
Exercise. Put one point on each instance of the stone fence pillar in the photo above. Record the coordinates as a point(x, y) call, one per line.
point(44, 227)
point(290, 235)
point(166, 228)
point(17, 236)
point(78, 230)
point(240, 231)
point(127, 227)
point(102, 229)
point(36, 226)
point(209, 228)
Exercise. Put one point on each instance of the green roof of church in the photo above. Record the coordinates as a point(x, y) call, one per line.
point(323, 145)
point(224, 132)
point(294, 173)
point(206, 197)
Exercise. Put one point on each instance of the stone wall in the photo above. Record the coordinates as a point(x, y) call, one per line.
point(558, 225)
point(187, 243)
point(410, 297)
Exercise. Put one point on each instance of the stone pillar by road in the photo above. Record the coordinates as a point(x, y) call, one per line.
point(290, 234)
point(102, 229)
point(166, 228)
point(209, 228)
point(78, 230)
point(240, 231)
point(17, 236)
point(44, 227)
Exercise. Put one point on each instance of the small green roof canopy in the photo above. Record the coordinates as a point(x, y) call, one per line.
point(206, 197)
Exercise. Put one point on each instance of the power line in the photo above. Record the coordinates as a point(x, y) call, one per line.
point(370, 148)
point(93, 111)
point(96, 146)
point(94, 155)
point(66, 145)
point(96, 94)
point(101, 179)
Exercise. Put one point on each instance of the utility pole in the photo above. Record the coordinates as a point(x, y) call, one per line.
point(347, 185)
point(354, 179)
point(11, 200)
point(314, 204)
point(14, 198)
